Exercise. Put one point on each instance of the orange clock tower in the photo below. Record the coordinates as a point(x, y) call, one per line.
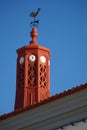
point(33, 73)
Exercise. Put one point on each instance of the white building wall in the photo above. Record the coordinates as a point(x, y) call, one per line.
point(77, 126)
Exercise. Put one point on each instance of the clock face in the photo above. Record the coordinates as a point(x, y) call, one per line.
point(32, 58)
point(21, 60)
point(43, 59)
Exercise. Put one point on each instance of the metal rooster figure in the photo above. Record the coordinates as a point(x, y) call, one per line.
point(34, 14)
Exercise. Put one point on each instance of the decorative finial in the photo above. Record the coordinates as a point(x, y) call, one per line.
point(34, 35)
point(34, 14)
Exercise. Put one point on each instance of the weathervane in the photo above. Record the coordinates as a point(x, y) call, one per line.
point(34, 14)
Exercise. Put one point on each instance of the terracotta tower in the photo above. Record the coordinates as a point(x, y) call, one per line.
point(33, 73)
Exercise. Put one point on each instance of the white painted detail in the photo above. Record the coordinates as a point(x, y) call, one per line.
point(21, 60)
point(49, 62)
point(32, 58)
point(43, 59)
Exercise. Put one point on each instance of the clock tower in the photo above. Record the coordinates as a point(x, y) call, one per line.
point(33, 73)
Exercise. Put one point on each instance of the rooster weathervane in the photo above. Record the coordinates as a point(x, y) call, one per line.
point(34, 15)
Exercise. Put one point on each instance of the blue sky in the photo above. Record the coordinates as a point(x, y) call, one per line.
point(62, 28)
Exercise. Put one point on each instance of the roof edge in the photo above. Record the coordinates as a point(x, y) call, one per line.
point(45, 101)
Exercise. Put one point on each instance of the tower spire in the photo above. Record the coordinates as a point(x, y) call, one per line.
point(34, 35)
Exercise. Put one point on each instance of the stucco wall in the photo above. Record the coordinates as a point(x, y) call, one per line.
point(77, 126)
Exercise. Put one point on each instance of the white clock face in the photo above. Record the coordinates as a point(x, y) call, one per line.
point(21, 60)
point(43, 59)
point(32, 58)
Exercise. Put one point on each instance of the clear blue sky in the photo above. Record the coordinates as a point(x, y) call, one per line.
point(62, 28)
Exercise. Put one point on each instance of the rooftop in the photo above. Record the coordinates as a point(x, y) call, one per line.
point(48, 100)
